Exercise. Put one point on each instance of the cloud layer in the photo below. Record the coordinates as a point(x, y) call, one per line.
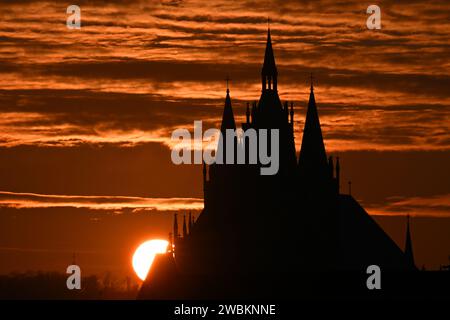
point(138, 69)
point(117, 203)
point(434, 206)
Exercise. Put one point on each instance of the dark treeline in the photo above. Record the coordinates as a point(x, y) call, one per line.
point(52, 285)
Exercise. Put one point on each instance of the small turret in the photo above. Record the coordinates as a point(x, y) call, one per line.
point(292, 113)
point(286, 110)
point(331, 167)
point(175, 227)
point(170, 248)
point(338, 175)
point(253, 112)
point(185, 233)
point(204, 172)
point(408, 246)
point(190, 222)
point(247, 113)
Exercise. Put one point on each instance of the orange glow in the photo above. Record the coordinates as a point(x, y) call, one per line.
point(145, 254)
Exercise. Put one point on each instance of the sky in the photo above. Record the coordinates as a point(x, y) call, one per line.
point(86, 115)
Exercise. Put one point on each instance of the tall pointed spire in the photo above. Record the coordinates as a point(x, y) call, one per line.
point(313, 160)
point(269, 71)
point(408, 245)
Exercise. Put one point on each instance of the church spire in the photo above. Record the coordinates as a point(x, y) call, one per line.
point(269, 71)
point(227, 123)
point(408, 245)
point(228, 116)
point(313, 160)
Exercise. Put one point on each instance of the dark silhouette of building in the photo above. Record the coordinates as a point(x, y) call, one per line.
point(445, 267)
point(263, 235)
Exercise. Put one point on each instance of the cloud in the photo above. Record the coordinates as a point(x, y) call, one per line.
point(143, 170)
point(432, 206)
point(33, 200)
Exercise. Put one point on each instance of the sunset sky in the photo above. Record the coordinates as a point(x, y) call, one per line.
point(87, 115)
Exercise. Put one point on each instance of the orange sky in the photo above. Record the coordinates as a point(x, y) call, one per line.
point(86, 115)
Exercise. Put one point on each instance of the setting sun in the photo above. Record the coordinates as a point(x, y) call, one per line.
point(144, 255)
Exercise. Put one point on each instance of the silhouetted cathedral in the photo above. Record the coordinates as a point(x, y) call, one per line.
point(260, 235)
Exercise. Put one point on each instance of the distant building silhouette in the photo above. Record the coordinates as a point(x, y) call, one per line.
point(258, 235)
point(445, 267)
